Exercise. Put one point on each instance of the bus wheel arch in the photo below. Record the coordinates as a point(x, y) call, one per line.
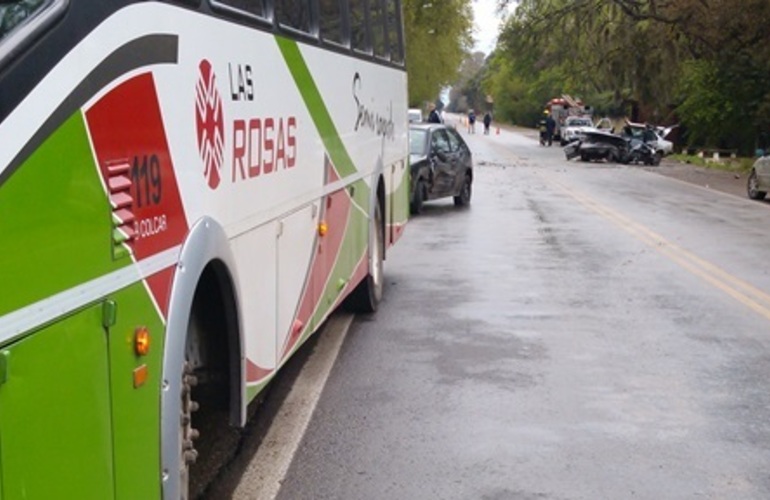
point(368, 294)
point(203, 351)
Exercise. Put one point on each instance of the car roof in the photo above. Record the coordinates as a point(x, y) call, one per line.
point(426, 126)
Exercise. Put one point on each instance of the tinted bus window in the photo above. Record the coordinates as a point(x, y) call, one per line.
point(294, 14)
point(14, 14)
point(377, 28)
point(331, 20)
point(359, 39)
point(393, 14)
point(255, 7)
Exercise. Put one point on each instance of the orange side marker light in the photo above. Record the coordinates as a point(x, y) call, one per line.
point(142, 341)
point(323, 228)
point(140, 376)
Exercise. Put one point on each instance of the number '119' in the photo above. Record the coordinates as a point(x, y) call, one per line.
point(145, 176)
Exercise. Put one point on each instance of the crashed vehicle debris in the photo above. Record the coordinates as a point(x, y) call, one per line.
point(574, 127)
point(636, 144)
point(653, 134)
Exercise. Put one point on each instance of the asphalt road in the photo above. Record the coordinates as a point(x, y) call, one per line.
point(581, 331)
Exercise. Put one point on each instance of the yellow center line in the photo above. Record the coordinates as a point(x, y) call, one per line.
point(745, 293)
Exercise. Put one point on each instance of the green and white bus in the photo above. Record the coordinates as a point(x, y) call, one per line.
point(188, 189)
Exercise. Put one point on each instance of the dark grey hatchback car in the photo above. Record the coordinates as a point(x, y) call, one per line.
point(441, 165)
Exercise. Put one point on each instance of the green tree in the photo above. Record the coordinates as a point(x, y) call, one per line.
point(704, 62)
point(466, 91)
point(438, 35)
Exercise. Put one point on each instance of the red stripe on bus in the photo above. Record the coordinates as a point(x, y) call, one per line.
point(254, 372)
point(126, 128)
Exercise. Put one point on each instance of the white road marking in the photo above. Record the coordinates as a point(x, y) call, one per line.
point(267, 468)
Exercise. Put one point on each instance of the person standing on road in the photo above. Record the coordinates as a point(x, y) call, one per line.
point(433, 116)
point(487, 122)
point(542, 126)
point(471, 122)
point(550, 127)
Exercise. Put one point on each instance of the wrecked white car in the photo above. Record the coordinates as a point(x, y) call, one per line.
point(575, 127)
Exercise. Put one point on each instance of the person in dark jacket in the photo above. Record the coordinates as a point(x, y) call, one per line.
point(542, 126)
point(550, 127)
point(433, 115)
point(487, 122)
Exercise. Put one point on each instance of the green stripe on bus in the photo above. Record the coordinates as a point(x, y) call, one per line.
point(315, 105)
point(55, 226)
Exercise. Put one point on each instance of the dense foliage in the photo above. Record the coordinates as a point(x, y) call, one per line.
point(702, 63)
point(438, 35)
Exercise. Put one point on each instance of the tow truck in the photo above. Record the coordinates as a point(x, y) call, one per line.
point(562, 107)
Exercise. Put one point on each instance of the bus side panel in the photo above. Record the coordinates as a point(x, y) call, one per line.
point(258, 285)
point(55, 413)
point(345, 262)
point(55, 227)
point(135, 385)
point(398, 200)
point(336, 250)
point(294, 256)
point(397, 181)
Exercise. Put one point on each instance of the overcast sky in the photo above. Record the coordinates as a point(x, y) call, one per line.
point(487, 24)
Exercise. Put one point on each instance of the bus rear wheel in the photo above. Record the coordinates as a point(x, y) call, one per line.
point(187, 434)
point(367, 295)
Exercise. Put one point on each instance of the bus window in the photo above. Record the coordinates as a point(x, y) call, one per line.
point(331, 21)
point(377, 28)
point(14, 14)
point(393, 14)
point(255, 7)
point(294, 14)
point(359, 39)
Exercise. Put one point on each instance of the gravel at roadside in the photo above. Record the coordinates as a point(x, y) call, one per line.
point(711, 178)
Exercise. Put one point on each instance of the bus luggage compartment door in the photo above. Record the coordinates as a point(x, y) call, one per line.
point(55, 429)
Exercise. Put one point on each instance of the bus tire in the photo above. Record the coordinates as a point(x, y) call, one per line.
point(367, 295)
point(210, 384)
point(187, 434)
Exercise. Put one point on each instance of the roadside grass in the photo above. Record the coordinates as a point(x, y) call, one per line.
point(738, 164)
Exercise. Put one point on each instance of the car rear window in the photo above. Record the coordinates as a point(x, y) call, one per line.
point(579, 123)
point(417, 141)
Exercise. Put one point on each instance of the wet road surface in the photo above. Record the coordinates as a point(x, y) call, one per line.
point(582, 331)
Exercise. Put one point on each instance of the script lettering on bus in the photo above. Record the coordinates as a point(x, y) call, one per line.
point(263, 146)
point(372, 120)
point(241, 84)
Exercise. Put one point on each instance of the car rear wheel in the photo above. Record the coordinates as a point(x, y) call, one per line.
point(415, 206)
point(752, 187)
point(464, 198)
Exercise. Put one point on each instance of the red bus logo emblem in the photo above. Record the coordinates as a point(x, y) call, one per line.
point(210, 124)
